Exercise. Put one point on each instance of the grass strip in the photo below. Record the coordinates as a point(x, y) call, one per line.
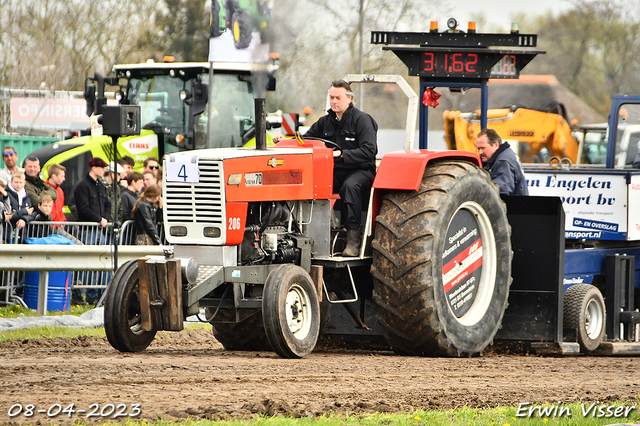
point(464, 416)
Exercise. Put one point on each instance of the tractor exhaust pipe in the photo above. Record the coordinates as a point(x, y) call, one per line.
point(261, 123)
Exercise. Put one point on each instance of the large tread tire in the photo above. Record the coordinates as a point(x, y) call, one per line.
point(584, 311)
point(122, 311)
point(245, 335)
point(241, 27)
point(418, 233)
point(291, 311)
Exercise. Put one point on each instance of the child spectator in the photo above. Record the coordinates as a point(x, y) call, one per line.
point(144, 215)
point(44, 210)
point(130, 194)
point(20, 201)
point(42, 213)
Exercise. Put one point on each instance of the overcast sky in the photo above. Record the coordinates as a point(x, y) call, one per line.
point(500, 11)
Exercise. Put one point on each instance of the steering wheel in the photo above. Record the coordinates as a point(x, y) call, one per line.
point(331, 144)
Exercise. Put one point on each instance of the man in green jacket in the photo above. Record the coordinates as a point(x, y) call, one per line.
point(35, 186)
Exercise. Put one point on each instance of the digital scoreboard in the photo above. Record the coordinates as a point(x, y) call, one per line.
point(458, 60)
point(465, 63)
point(458, 55)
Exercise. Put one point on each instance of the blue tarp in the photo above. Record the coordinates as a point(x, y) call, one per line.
point(54, 239)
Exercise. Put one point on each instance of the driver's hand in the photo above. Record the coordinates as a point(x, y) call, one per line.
point(337, 153)
point(278, 137)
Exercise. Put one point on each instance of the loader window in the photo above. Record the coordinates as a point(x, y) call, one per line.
point(627, 136)
point(161, 107)
point(594, 149)
point(232, 112)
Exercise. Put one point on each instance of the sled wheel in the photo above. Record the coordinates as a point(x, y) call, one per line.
point(241, 26)
point(244, 333)
point(122, 323)
point(583, 310)
point(442, 263)
point(291, 311)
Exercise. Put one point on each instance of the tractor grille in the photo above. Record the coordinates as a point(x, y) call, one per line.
point(201, 202)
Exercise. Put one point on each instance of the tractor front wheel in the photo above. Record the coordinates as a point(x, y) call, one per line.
point(291, 311)
point(122, 321)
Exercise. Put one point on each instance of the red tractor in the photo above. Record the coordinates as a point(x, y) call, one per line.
point(256, 237)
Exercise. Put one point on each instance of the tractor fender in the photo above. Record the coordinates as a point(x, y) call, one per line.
point(404, 169)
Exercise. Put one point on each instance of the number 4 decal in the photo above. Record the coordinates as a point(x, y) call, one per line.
point(183, 173)
point(182, 168)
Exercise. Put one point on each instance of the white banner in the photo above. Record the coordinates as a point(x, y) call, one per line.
point(595, 204)
point(53, 113)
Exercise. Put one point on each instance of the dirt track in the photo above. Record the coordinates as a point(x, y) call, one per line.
point(189, 373)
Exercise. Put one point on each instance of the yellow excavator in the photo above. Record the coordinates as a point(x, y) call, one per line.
point(540, 134)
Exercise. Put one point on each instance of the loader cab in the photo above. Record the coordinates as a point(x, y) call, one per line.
point(625, 119)
point(593, 144)
point(618, 150)
point(173, 98)
point(174, 102)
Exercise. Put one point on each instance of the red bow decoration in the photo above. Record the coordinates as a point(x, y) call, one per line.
point(430, 98)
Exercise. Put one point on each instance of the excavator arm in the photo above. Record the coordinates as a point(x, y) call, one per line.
point(538, 129)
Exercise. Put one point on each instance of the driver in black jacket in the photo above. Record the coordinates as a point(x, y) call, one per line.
point(355, 133)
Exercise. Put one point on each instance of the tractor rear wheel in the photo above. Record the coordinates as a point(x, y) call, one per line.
point(122, 322)
point(442, 263)
point(291, 311)
point(245, 333)
point(241, 28)
point(584, 311)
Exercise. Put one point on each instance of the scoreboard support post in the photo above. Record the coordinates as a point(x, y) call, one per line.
point(424, 110)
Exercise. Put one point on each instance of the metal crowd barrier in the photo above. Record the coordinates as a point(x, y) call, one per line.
point(8, 278)
point(85, 276)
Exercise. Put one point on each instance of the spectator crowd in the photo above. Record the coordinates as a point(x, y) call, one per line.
point(25, 198)
point(23, 193)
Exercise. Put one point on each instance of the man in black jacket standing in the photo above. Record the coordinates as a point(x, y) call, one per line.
point(93, 205)
point(502, 163)
point(355, 134)
point(92, 201)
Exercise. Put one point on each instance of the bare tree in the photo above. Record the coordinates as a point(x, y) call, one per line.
point(58, 43)
point(591, 50)
point(180, 29)
point(319, 40)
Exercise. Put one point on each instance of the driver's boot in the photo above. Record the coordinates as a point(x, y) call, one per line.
point(353, 243)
